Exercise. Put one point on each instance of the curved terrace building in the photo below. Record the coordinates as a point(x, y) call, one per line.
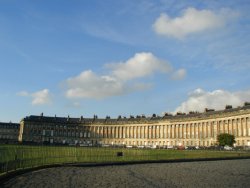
point(193, 129)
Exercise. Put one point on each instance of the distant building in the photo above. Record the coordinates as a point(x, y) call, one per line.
point(193, 129)
point(9, 132)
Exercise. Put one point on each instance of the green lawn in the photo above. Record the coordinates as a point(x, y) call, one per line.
point(20, 156)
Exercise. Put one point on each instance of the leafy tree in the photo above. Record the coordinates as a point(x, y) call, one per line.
point(226, 139)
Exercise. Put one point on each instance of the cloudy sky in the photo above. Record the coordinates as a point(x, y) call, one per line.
point(122, 57)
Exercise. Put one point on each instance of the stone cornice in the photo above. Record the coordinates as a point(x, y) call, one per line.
point(141, 120)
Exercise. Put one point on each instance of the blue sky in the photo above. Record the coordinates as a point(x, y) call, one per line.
point(122, 57)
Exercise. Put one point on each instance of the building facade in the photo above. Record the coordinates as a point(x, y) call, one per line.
point(193, 129)
point(9, 132)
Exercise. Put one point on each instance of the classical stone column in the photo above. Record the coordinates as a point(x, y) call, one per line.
point(185, 131)
point(133, 131)
point(153, 131)
point(180, 131)
point(240, 127)
point(111, 132)
point(173, 131)
point(203, 130)
point(208, 129)
point(120, 134)
point(156, 131)
point(168, 131)
point(136, 132)
point(116, 132)
point(149, 132)
point(217, 130)
point(211, 130)
point(106, 132)
point(164, 131)
point(245, 127)
point(103, 132)
point(219, 127)
point(191, 130)
point(125, 132)
point(234, 129)
point(177, 131)
point(195, 130)
point(223, 126)
point(171, 126)
point(99, 132)
point(142, 132)
point(237, 125)
point(111, 135)
point(227, 126)
point(160, 132)
point(248, 126)
point(198, 131)
point(95, 131)
point(204, 133)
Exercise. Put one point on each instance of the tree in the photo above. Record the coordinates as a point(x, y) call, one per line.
point(226, 139)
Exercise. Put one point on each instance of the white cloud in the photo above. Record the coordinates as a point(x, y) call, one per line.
point(90, 85)
point(199, 99)
point(179, 74)
point(121, 79)
point(38, 98)
point(192, 21)
point(142, 64)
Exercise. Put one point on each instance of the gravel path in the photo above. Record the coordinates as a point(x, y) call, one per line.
point(231, 173)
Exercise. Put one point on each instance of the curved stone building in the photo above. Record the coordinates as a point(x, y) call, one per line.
point(193, 129)
point(9, 132)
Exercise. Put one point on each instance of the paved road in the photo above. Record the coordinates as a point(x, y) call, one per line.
point(231, 173)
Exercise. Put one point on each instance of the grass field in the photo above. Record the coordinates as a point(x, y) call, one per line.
point(14, 157)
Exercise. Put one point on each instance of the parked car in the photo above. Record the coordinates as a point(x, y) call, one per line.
point(170, 147)
point(228, 148)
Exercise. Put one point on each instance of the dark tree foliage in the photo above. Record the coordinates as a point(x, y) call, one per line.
point(226, 139)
